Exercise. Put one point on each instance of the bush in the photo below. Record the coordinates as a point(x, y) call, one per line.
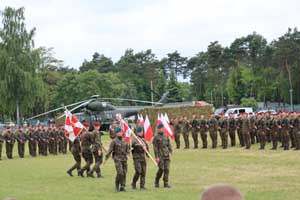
point(249, 102)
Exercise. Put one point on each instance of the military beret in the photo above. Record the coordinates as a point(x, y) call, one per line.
point(139, 129)
point(96, 123)
point(118, 129)
point(86, 124)
point(160, 126)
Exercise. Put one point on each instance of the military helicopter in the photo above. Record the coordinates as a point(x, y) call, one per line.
point(97, 108)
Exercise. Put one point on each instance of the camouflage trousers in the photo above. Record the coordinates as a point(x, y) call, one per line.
point(121, 169)
point(298, 140)
point(77, 158)
point(21, 149)
point(241, 137)
point(252, 135)
point(140, 167)
point(247, 139)
point(9, 150)
point(1, 144)
point(32, 148)
point(98, 161)
point(195, 139)
point(177, 140)
point(214, 138)
point(292, 137)
point(274, 137)
point(285, 139)
point(163, 170)
point(186, 140)
point(88, 157)
point(224, 138)
point(232, 137)
point(262, 139)
point(203, 135)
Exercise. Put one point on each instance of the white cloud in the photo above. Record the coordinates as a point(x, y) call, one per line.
point(76, 28)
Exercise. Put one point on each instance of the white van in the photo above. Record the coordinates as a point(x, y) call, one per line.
point(237, 111)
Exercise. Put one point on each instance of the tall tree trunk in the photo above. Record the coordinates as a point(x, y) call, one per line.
point(18, 112)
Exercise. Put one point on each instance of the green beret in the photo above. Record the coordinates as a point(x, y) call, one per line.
point(160, 126)
point(117, 130)
point(139, 129)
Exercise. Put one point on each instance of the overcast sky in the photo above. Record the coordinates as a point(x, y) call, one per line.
point(78, 28)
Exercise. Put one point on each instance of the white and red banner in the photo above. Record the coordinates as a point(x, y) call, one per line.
point(164, 119)
point(73, 127)
point(126, 131)
point(148, 132)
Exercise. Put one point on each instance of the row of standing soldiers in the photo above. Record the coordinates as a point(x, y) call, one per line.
point(41, 141)
point(283, 128)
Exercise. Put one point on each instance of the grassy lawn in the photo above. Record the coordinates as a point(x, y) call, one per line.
point(259, 175)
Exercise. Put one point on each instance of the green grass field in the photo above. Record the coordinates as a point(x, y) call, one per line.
point(259, 175)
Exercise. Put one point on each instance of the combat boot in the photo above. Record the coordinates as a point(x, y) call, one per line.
point(156, 184)
point(69, 172)
point(166, 185)
point(133, 186)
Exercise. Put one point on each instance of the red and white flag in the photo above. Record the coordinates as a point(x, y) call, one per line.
point(158, 121)
point(141, 120)
point(73, 127)
point(167, 127)
point(148, 133)
point(126, 131)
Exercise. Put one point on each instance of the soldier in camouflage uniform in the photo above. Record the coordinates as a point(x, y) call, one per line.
point(39, 139)
point(261, 130)
point(203, 131)
point(268, 126)
point(297, 129)
point(1, 143)
point(21, 139)
point(245, 130)
point(112, 128)
point(252, 129)
point(61, 140)
point(9, 142)
point(120, 151)
point(213, 130)
point(66, 140)
point(86, 151)
point(232, 128)
point(44, 138)
point(177, 130)
point(54, 141)
point(96, 150)
point(274, 131)
point(32, 141)
point(76, 152)
point(223, 126)
point(195, 129)
point(239, 123)
point(185, 131)
point(294, 129)
point(139, 158)
point(285, 124)
point(162, 150)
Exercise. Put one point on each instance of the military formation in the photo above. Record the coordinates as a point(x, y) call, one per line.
point(280, 130)
point(41, 140)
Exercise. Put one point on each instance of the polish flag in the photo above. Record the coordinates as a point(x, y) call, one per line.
point(158, 121)
point(72, 126)
point(148, 133)
point(141, 120)
point(126, 131)
point(167, 127)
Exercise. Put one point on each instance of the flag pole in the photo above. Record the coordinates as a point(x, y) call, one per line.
point(144, 147)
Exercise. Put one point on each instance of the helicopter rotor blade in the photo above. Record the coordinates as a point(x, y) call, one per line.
point(133, 100)
point(54, 110)
point(76, 107)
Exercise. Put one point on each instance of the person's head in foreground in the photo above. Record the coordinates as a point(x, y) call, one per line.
point(221, 192)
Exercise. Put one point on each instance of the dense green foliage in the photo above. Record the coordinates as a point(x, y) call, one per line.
point(250, 67)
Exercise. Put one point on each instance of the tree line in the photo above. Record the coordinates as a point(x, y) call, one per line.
point(32, 80)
